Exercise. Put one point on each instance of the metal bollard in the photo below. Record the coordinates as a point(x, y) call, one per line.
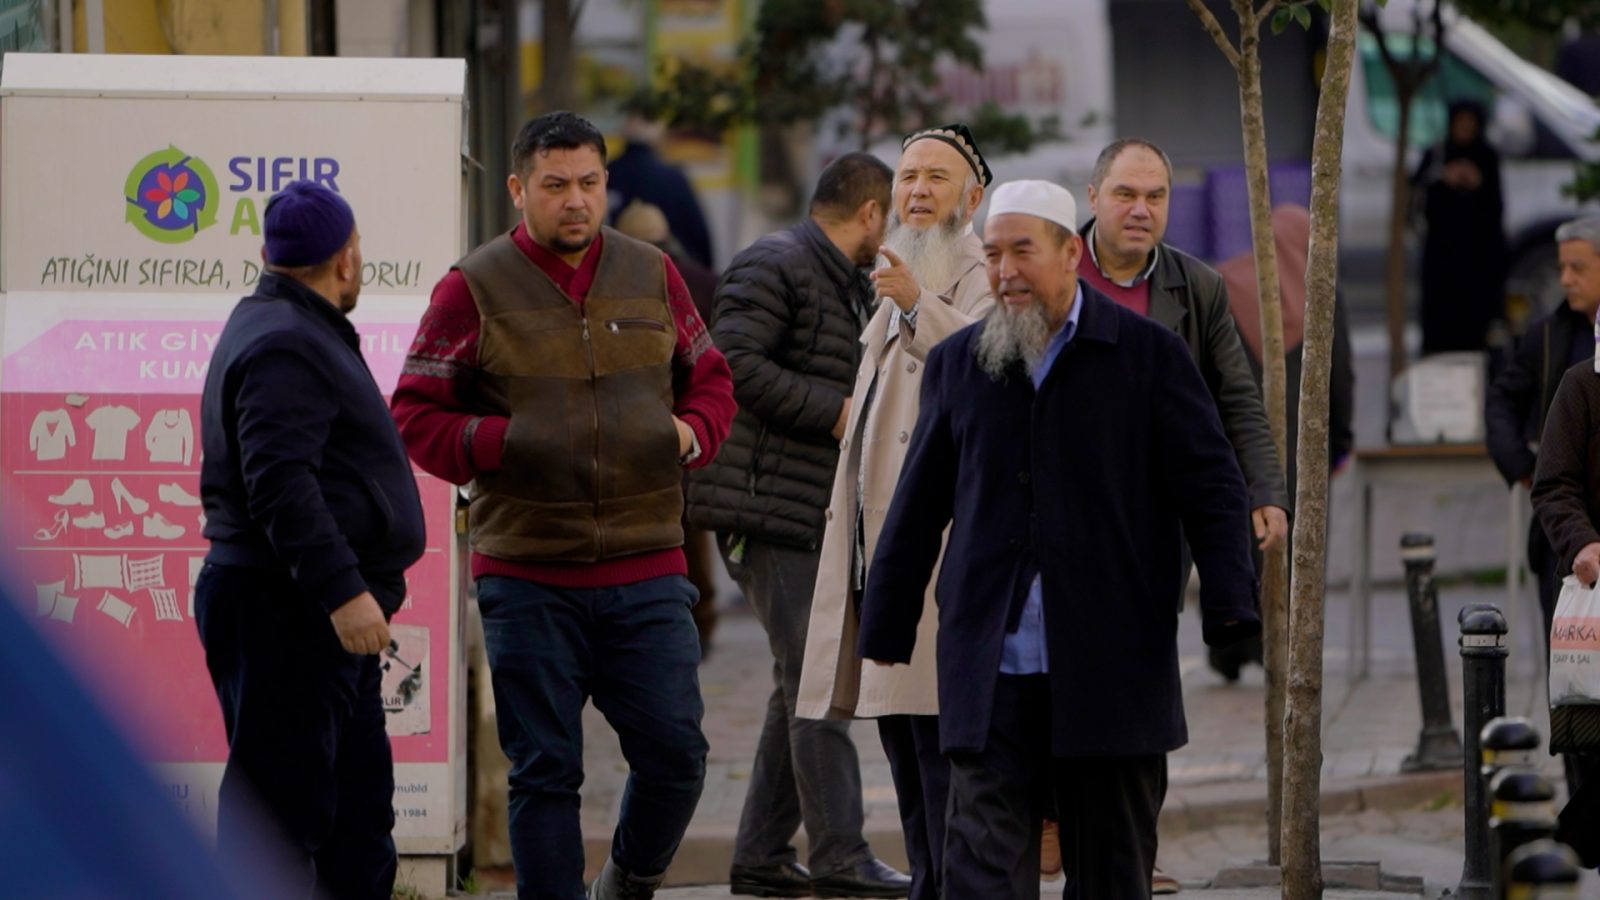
point(1542, 870)
point(1438, 747)
point(1524, 812)
point(1483, 667)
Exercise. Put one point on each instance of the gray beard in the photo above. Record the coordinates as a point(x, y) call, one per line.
point(1013, 336)
point(930, 253)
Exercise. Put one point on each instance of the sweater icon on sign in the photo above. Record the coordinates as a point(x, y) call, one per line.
point(170, 437)
point(52, 433)
point(111, 425)
point(78, 493)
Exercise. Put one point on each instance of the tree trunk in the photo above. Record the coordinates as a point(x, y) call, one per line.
point(559, 68)
point(1302, 862)
point(1274, 582)
point(1400, 202)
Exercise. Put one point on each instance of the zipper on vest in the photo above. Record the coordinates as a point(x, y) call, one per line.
point(615, 326)
point(594, 459)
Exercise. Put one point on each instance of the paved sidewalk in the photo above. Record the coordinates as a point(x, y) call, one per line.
point(1218, 779)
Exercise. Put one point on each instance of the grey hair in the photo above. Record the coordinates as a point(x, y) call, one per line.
point(1102, 164)
point(1584, 229)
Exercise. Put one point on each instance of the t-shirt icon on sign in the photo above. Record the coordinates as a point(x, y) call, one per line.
point(111, 425)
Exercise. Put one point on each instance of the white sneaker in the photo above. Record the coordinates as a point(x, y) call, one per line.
point(157, 526)
point(176, 495)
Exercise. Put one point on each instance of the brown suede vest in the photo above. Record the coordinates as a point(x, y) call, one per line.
point(590, 470)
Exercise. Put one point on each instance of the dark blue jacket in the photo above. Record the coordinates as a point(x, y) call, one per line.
point(641, 174)
point(1092, 482)
point(303, 470)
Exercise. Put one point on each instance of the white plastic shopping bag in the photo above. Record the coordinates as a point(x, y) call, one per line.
point(1575, 646)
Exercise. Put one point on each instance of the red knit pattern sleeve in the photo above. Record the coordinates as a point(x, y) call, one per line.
point(700, 376)
point(442, 432)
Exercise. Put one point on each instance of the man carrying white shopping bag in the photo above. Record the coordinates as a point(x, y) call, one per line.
point(1566, 499)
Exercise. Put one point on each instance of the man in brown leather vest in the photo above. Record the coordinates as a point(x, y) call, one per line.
point(563, 372)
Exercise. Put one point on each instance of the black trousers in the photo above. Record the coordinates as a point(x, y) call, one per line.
point(922, 787)
point(1108, 808)
point(308, 756)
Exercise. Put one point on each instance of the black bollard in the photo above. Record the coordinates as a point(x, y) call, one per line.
point(1504, 743)
point(1438, 747)
point(1524, 812)
point(1543, 870)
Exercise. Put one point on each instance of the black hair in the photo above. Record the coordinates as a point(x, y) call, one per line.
point(850, 181)
point(559, 130)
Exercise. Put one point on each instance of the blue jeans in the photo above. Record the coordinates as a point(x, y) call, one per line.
point(634, 649)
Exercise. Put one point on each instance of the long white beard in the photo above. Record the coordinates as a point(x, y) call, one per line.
point(1010, 336)
point(930, 253)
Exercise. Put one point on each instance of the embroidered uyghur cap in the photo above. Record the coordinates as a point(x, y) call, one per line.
point(306, 224)
point(1048, 201)
point(959, 137)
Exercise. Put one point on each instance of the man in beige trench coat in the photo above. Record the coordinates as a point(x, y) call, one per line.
point(933, 285)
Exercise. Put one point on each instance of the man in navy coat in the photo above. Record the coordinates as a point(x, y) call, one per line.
point(1070, 446)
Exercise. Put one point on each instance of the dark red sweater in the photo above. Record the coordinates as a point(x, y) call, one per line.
point(1135, 298)
point(448, 437)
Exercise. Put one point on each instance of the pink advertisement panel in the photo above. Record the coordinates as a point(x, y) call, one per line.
point(99, 445)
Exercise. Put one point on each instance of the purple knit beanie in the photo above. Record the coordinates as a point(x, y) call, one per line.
point(306, 224)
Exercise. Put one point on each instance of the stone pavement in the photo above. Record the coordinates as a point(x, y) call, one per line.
point(1217, 781)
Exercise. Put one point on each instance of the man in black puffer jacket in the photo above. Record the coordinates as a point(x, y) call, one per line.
point(789, 314)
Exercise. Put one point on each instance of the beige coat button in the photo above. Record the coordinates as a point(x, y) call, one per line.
point(904, 437)
point(911, 366)
point(828, 515)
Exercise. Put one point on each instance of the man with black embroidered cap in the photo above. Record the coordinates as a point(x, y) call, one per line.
point(313, 517)
point(1067, 446)
point(933, 285)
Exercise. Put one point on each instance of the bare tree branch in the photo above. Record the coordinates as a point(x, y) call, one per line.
point(1265, 10)
point(1214, 28)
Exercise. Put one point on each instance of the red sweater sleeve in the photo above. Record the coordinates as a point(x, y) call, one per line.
point(700, 375)
point(445, 437)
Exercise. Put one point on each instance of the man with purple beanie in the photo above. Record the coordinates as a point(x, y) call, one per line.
point(313, 517)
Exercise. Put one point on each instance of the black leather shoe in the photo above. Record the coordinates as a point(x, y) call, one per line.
point(869, 878)
point(788, 879)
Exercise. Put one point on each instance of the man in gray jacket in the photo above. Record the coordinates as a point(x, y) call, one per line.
point(1127, 260)
point(788, 317)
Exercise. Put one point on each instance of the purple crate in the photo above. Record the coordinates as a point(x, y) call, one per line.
point(1227, 202)
point(1187, 225)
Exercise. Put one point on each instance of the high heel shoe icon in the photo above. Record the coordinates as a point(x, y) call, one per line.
point(121, 493)
point(59, 525)
point(78, 493)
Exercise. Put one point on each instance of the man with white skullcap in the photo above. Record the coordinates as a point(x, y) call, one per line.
point(1069, 446)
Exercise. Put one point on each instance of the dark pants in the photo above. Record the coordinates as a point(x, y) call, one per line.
point(805, 770)
point(1107, 806)
point(308, 756)
point(922, 786)
point(634, 650)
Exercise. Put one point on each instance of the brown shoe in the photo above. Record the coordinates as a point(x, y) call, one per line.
point(1162, 883)
point(1050, 851)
